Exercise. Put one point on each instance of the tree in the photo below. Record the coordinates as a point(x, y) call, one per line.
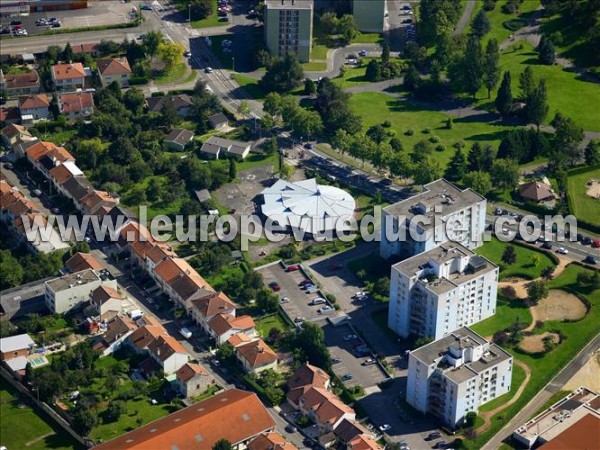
point(67, 54)
point(546, 51)
point(272, 104)
point(11, 271)
point(310, 87)
point(427, 171)
point(168, 115)
point(80, 247)
point(421, 151)
point(332, 104)
point(526, 83)
point(267, 301)
point(473, 66)
point(347, 28)
point(536, 291)
point(232, 169)
point(537, 105)
point(509, 256)
point(328, 22)
point(592, 153)
point(151, 42)
point(170, 54)
point(385, 52)
point(401, 165)
point(377, 133)
point(84, 420)
point(287, 170)
point(115, 409)
point(284, 74)
point(222, 444)
point(412, 79)
point(244, 108)
point(481, 24)
point(479, 181)
point(504, 99)
point(457, 166)
point(310, 343)
point(134, 100)
point(547, 272)
point(491, 68)
point(396, 144)
point(373, 71)
point(536, 259)
point(200, 9)
point(567, 138)
point(505, 173)
point(307, 123)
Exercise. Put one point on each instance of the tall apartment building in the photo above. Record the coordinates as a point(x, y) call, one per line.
point(441, 290)
point(453, 214)
point(71, 290)
point(455, 375)
point(369, 15)
point(289, 27)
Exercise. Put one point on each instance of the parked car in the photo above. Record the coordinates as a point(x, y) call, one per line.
point(290, 428)
point(440, 444)
point(385, 427)
point(275, 286)
point(317, 301)
point(185, 332)
point(547, 245)
point(589, 259)
point(298, 319)
point(350, 337)
point(336, 360)
point(585, 240)
point(433, 435)
point(187, 53)
point(368, 362)
point(596, 244)
point(308, 146)
point(346, 377)
point(284, 300)
point(562, 251)
point(325, 309)
point(37, 192)
point(304, 283)
point(292, 268)
point(208, 70)
point(362, 53)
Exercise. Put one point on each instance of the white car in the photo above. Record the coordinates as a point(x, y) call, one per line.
point(385, 427)
point(562, 251)
point(360, 294)
point(325, 309)
point(318, 301)
point(284, 300)
point(208, 70)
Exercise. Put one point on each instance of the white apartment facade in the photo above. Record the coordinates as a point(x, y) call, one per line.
point(67, 292)
point(452, 213)
point(454, 376)
point(441, 290)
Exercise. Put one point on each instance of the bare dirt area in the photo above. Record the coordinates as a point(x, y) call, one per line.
point(587, 376)
point(535, 343)
point(593, 188)
point(560, 305)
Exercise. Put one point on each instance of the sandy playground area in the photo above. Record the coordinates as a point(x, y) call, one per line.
point(593, 188)
point(560, 305)
point(535, 343)
point(588, 375)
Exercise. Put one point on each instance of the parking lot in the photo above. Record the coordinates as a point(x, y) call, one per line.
point(344, 349)
point(97, 14)
point(298, 304)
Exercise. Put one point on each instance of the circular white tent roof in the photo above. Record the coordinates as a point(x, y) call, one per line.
point(308, 206)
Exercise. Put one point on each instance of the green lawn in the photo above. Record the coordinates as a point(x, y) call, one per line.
point(20, 426)
point(352, 77)
point(523, 267)
point(581, 205)
point(318, 51)
point(58, 137)
point(507, 313)
point(211, 21)
point(566, 92)
point(543, 368)
point(250, 86)
point(497, 18)
point(256, 160)
point(173, 76)
point(266, 323)
point(157, 207)
point(367, 38)
point(315, 66)
point(375, 107)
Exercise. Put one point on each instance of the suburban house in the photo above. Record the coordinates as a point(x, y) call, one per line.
point(223, 326)
point(90, 49)
point(10, 115)
point(168, 353)
point(15, 346)
point(177, 139)
point(182, 103)
point(68, 76)
point(141, 338)
point(82, 261)
point(180, 281)
point(16, 84)
point(71, 290)
point(536, 191)
point(205, 308)
point(256, 356)
point(363, 442)
point(192, 380)
point(45, 155)
point(218, 121)
point(234, 415)
point(271, 441)
point(216, 147)
point(306, 376)
point(35, 105)
point(114, 69)
point(148, 254)
point(118, 329)
point(14, 134)
point(77, 188)
point(76, 105)
point(95, 200)
point(106, 302)
point(61, 173)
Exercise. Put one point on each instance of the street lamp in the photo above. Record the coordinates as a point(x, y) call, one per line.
point(233, 63)
point(189, 12)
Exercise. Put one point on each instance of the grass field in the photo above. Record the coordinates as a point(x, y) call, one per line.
point(581, 205)
point(566, 92)
point(250, 85)
point(543, 368)
point(21, 427)
point(507, 313)
point(157, 207)
point(368, 38)
point(353, 77)
point(497, 18)
point(315, 66)
point(173, 76)
point(376, 107)
point(523, 267)
point(266, 323)
point(211, 21)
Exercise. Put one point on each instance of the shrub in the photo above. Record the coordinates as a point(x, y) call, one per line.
point(409, 132)
point(509, 292)
point(434, 139)
point(440, 148)
point(449, 123)
point(331, 298)
point(386, 124)
point(513, 24)
point(427, 131)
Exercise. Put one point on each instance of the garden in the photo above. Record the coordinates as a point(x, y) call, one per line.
point(583, 189)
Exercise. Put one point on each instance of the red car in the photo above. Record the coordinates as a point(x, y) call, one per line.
point(292, 268)
point(304, 282)
point(596, 244)
point(275, 286)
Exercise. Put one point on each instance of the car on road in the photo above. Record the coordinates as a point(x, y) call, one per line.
point(317, 301)
point(304, 283)
point(275, 286)
point(350, 337)
point(589, 259)
point(284, 300)
point(336, 360)
point(346, 377)
point(440, 444)
point(368, 362)
point(562, 251)
point(385, 427)
point(362, 53)
point(433, 435)
point(585, 240)
point(406, 8)
point(325, 309)
point(407, 21)
point(307, 285)
point(547, 245)
point(308, 146)
point(208, 70)
point(596, 244)
point(290, 428)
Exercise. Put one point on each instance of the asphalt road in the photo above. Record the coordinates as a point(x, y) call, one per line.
point(465, 19)
point(542, 397)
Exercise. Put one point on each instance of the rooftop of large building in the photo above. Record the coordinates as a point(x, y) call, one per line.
point(463, 338)
point(438, 195)
point(73, 279)
point(420, 265)
point(289, 4)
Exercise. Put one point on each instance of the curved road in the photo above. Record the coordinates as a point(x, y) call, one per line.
point(465, 18)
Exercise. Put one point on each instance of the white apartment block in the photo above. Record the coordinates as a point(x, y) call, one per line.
point(67, 292)
point(441, 290)
point(453, 214)
point(457, 374)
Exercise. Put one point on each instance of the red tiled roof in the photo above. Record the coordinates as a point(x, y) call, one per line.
point(257, 353)
point(22, 80)
point(34, 101)
point(144, 336)
point(155, 253)
point(9, 114)
point(238, 339)
point(68, 71)
point(364, 442)
point(308, 375)
point(114, 66)
point(582, 435)
point(95, 199)
point(41, 148)
point(271, 441)
point(189, 371)
point(85, 48)
point(233, 415)
point(213, 304)
point(222, 323)
point(165, 346)
point(12, 130)
point(60, 173)
point(82, 261)
point(75, 101)
point(326, 406)
point(102, 294)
